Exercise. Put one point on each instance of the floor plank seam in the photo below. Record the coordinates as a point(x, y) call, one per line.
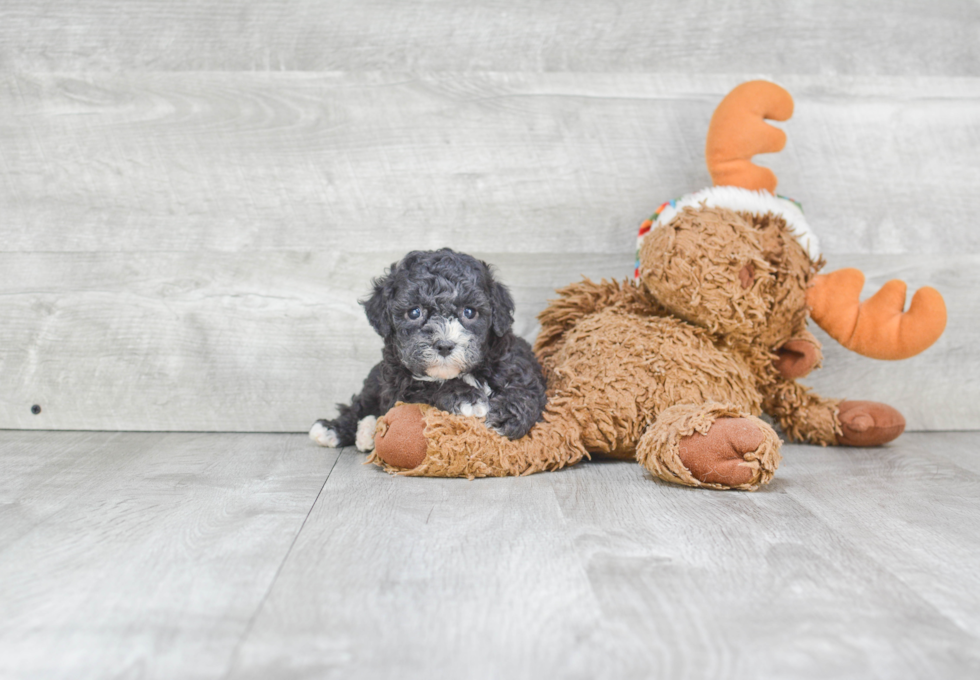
point(275, 577)
point(582, 562)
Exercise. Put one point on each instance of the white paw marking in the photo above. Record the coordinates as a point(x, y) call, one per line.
point(324, 436)
point(364, 441)
point(479, 409)
point(473, 382)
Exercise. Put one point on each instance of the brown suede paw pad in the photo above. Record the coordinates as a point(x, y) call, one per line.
point(868, 423)
point(718, 456)
point(399, 439)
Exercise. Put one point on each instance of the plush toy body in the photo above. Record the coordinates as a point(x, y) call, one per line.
point(674, 368)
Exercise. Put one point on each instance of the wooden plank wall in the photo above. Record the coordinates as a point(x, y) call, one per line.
point(194, 194)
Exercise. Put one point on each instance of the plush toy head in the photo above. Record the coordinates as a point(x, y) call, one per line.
point(736, 273)
point(742, 262)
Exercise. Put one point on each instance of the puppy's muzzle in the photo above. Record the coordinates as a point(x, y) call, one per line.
point(449, 350)
point(444, 347)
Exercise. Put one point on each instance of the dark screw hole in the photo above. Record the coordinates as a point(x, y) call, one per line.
point(35, 409)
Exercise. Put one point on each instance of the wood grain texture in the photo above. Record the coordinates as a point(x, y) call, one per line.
point(271, 341)
point(548, 163)
point(199, 556)
point(902, 534)
point(760, 585)
point(475, 579)
point(876, 37)
point(951, 449)
point(136, 555)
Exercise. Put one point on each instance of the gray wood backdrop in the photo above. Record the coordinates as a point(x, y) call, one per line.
point(195, 193)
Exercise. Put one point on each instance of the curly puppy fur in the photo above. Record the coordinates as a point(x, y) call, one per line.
point(446, 324)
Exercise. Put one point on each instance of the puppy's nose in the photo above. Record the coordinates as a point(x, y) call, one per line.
point(445, 347)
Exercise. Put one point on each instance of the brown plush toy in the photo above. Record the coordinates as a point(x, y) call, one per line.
point(672, 369)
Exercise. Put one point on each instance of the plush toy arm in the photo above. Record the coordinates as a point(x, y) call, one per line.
point(580, 300)
point(806, 416)
point(802, 413)
point(422, 441)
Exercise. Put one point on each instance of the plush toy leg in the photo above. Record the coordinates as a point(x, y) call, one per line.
point(711, 445)
point(802, 413)
point(423, 441)
point(806, 416)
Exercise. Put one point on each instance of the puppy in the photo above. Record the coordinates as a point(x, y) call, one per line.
point(446, 325)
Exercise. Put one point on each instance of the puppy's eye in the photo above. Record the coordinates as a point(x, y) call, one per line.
point(414, 313)
point(469, 312)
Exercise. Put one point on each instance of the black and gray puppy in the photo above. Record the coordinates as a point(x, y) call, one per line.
point(446, 325)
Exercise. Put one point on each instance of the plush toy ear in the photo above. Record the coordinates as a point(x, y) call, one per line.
point(501, 309)
point(378, 306)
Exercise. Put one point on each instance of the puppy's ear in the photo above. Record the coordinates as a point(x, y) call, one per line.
point(378, 306)
point(501, 308)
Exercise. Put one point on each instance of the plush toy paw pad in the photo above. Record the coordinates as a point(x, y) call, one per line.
point(718, 456)
point(868, 423)
point(399, 439)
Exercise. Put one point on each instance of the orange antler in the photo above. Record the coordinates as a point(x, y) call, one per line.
point(738, 132)
point(877, 327)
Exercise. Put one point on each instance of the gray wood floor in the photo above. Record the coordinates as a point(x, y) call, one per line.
point(148, 555)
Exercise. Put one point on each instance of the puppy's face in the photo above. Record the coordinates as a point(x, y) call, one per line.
point(440, 311)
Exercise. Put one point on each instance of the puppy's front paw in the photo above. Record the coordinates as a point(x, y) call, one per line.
point(512, 428)
point(323, 435)
point(365, 434)
point(478, 409)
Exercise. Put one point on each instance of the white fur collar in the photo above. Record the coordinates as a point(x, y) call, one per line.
point(746, 200)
